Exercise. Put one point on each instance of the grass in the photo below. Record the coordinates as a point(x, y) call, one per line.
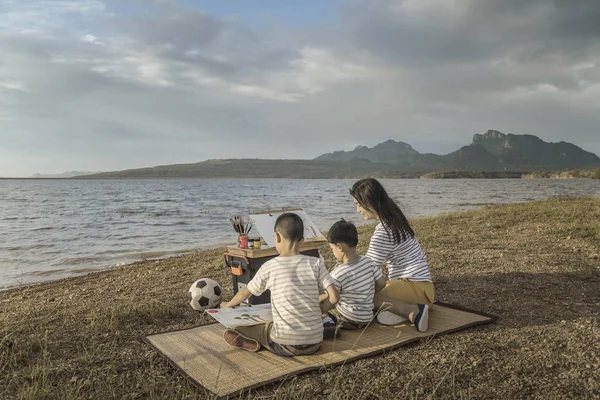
point(535, 265)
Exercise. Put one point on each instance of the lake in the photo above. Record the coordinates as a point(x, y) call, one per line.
point(52, 229)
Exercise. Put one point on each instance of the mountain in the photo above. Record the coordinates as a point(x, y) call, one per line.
point(472, 157)
point(530, 151)
point(389, 152)
point(491, 151)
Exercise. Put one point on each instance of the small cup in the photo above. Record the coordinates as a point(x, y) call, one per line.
point(257, 243)
point(243, 241)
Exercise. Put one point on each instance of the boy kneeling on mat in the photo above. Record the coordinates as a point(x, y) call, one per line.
point(357, 279)
point(294, 280)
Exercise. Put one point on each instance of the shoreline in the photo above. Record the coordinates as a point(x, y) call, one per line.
point(88, 270)
point(63, 258)
point(177, 254)
point(180, 253)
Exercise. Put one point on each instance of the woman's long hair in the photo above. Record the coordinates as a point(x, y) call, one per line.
point(371, 195)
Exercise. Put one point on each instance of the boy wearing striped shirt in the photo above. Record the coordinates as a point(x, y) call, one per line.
point(357, 279)
point(294, 281)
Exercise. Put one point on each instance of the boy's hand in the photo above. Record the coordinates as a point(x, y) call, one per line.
point(242, 295)
point(323, 297)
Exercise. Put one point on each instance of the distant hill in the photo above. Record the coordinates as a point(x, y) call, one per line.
point(389, 152)
point(472, 157)
point(529, 150)
point(473, 175)
point(491, 151)
point(592, 173)
point(68, 174)
point(259, 168)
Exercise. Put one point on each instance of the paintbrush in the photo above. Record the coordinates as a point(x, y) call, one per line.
point(233, 223)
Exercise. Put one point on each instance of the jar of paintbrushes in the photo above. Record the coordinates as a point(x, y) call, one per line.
point(242, 227)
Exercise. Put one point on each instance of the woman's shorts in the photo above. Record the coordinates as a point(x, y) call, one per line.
point(409, 291)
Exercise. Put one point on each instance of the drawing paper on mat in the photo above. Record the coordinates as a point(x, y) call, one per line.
point(239, 316)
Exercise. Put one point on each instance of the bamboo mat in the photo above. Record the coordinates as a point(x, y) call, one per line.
point(202, 355)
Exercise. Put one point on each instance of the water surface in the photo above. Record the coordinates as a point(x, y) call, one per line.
point(56, 228)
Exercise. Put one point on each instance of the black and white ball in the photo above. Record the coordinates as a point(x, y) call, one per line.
point(204, 294)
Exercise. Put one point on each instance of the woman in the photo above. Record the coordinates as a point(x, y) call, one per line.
point(409, 292)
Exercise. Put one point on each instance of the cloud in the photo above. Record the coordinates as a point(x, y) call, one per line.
point(13, 85)
point(82, 80)
point(48, 15)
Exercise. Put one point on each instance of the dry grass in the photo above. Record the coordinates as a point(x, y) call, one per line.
point(535, 265)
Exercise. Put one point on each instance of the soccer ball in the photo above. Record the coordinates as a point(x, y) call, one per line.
point(204, 294)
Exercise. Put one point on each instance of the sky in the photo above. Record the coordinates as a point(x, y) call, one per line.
point(100, 85)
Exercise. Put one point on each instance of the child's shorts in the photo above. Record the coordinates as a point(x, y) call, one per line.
point(262, 334)
point(290, 350)
point(409, 292)
point(346, 323)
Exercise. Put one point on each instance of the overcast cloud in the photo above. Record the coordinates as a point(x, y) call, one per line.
point(87, 86)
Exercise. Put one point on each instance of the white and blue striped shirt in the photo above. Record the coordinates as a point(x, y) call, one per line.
point(355, 282)
point(405, 259)
point(294, 282)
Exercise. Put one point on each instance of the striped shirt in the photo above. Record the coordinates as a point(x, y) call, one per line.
point(294, 283)
point(356, 283)
point(405, 259)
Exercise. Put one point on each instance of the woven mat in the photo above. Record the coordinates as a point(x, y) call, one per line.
point(202, 355)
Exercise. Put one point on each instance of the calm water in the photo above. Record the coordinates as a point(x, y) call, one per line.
point(56, 228)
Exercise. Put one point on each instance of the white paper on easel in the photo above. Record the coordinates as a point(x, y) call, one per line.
point(265, 224)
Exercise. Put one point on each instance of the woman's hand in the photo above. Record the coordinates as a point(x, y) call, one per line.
point(225, 304)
